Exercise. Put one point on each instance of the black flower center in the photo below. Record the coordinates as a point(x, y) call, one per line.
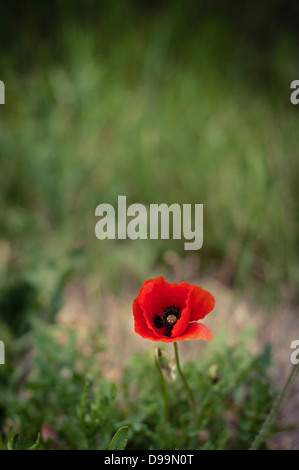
point(168, 319)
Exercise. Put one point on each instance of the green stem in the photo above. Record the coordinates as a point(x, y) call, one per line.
point(190, 393)
point(270, 420)
point(163, 384)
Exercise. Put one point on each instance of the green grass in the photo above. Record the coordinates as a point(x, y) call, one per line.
point(131, 117)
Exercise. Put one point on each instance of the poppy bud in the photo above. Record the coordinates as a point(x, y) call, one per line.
point(213, 373)
point(166, 363)
point(203, 436)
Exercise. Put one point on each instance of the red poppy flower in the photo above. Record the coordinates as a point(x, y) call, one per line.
point(169, 312)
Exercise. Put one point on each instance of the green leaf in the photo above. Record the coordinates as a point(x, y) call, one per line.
point(120, 439)
point(36, 444)
point(10, 439)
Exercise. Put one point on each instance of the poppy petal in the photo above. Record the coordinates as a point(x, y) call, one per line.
point(201, 303)
point(140, 324)
point(182, 324)
point(154, 297)
point(196, 331)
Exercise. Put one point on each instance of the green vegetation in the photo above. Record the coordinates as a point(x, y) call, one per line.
point(135, 107)
point(67, 399)
point(163, 104)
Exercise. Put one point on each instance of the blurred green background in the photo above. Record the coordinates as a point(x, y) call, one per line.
point(185, 102)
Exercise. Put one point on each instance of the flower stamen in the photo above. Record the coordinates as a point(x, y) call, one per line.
point(169, 318)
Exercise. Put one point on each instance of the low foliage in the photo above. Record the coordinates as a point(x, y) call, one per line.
point(58, 390)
